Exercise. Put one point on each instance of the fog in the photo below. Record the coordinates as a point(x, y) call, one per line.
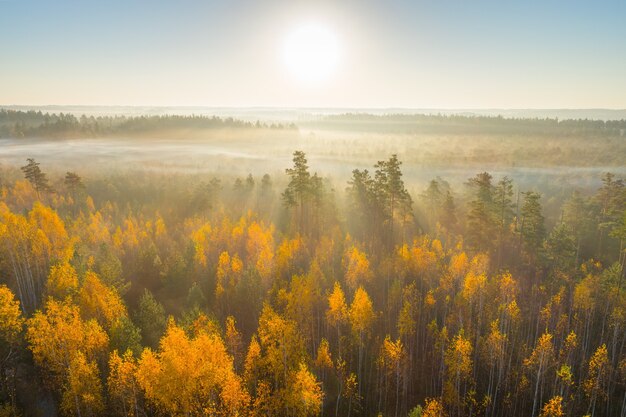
point(331, 154)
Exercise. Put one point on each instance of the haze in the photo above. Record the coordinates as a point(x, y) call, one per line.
point(485, 54)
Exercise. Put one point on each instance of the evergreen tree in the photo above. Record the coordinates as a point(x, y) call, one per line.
point(482, 224)
point(532, 230)
point(36, 177)
point(299, 188)
point(390, 191)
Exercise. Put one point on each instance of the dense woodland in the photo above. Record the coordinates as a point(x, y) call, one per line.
point(490, 125)
point(35, 124)
point(147, 294)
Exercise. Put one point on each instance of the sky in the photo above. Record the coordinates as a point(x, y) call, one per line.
point(231, 53)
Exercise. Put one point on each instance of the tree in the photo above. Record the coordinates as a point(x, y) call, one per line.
point(191, 376)
point(323, 359)
point(610, 199)
point(458, 362)
point(434, 408)
point(62, 281)
point(361, 317)
point(11, 338)
point(125, 336)
point(532, 230)
point(58, 335)
point(234, 342)
point(282, 346)
point(390, 190)
point(298, 191)
point(11, 320)
point(503, 209)
point(393, 356)
point(36, 177)
point(252, 362)
point(363, 202)
point(448, 216)
point(337, 314)
point(82, 392)
point(357, 268)
point(560, 248)
point(31, 245)
point(481, 232)
point(278, 366)
point(74, 183)
point(305, 393)
point(97, 301)
point(122, 384)
point(151, 319)
point(577, 217)
point(540, 360)
point(553, 408)
point(434, 198)
point(228, 275)
point(598, 375)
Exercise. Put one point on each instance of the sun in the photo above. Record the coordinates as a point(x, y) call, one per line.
point(311, 53)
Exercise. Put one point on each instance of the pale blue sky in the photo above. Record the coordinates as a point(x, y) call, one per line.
point(418, 54)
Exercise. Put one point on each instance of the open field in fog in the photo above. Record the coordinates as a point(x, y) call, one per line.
point(333, 154)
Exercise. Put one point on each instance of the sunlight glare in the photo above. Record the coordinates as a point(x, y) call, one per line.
point(311, 53)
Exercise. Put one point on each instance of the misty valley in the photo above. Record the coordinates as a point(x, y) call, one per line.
point(335, 264)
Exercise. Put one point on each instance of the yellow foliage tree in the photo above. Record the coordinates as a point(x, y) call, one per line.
point(99, 302)
point(539, 361)
point(31, 245)
point(201, 239)
point(122, 385)
point(304, 394)
point(11, 320)
point(337, 314)
point(434, 408)
point(191, 376)
point(82, 391)
point(458, 361)
point(323, 359)
point(260, 250)
point(357, 267)
point(58, 334)
point(392, 358)
point(361, 317)
point(596, 384)
point(553, 408)
point(234, 342)
point(251, 363)
point(62, 281)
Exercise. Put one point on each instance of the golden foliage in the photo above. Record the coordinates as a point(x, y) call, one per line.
point(324, 359)
point(191, 376)
point(305, 393)
point(82, 391)
point(337, 313)
point(97, 301)
point(58, 334)
point(122, 384)
point(553, 408)
point(598, 373)
point(361, 311)
point(434, 408)
point(62, 281)
point(11, 320)
point(357, 267)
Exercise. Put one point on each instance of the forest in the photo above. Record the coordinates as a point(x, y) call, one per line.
point(296, 293)
point(36, 124)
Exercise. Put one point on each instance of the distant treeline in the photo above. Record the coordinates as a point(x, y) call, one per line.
point(423, 123)
point(22, 124)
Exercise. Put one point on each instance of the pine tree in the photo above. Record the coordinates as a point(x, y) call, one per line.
point(532, 229)
point(36, 177)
